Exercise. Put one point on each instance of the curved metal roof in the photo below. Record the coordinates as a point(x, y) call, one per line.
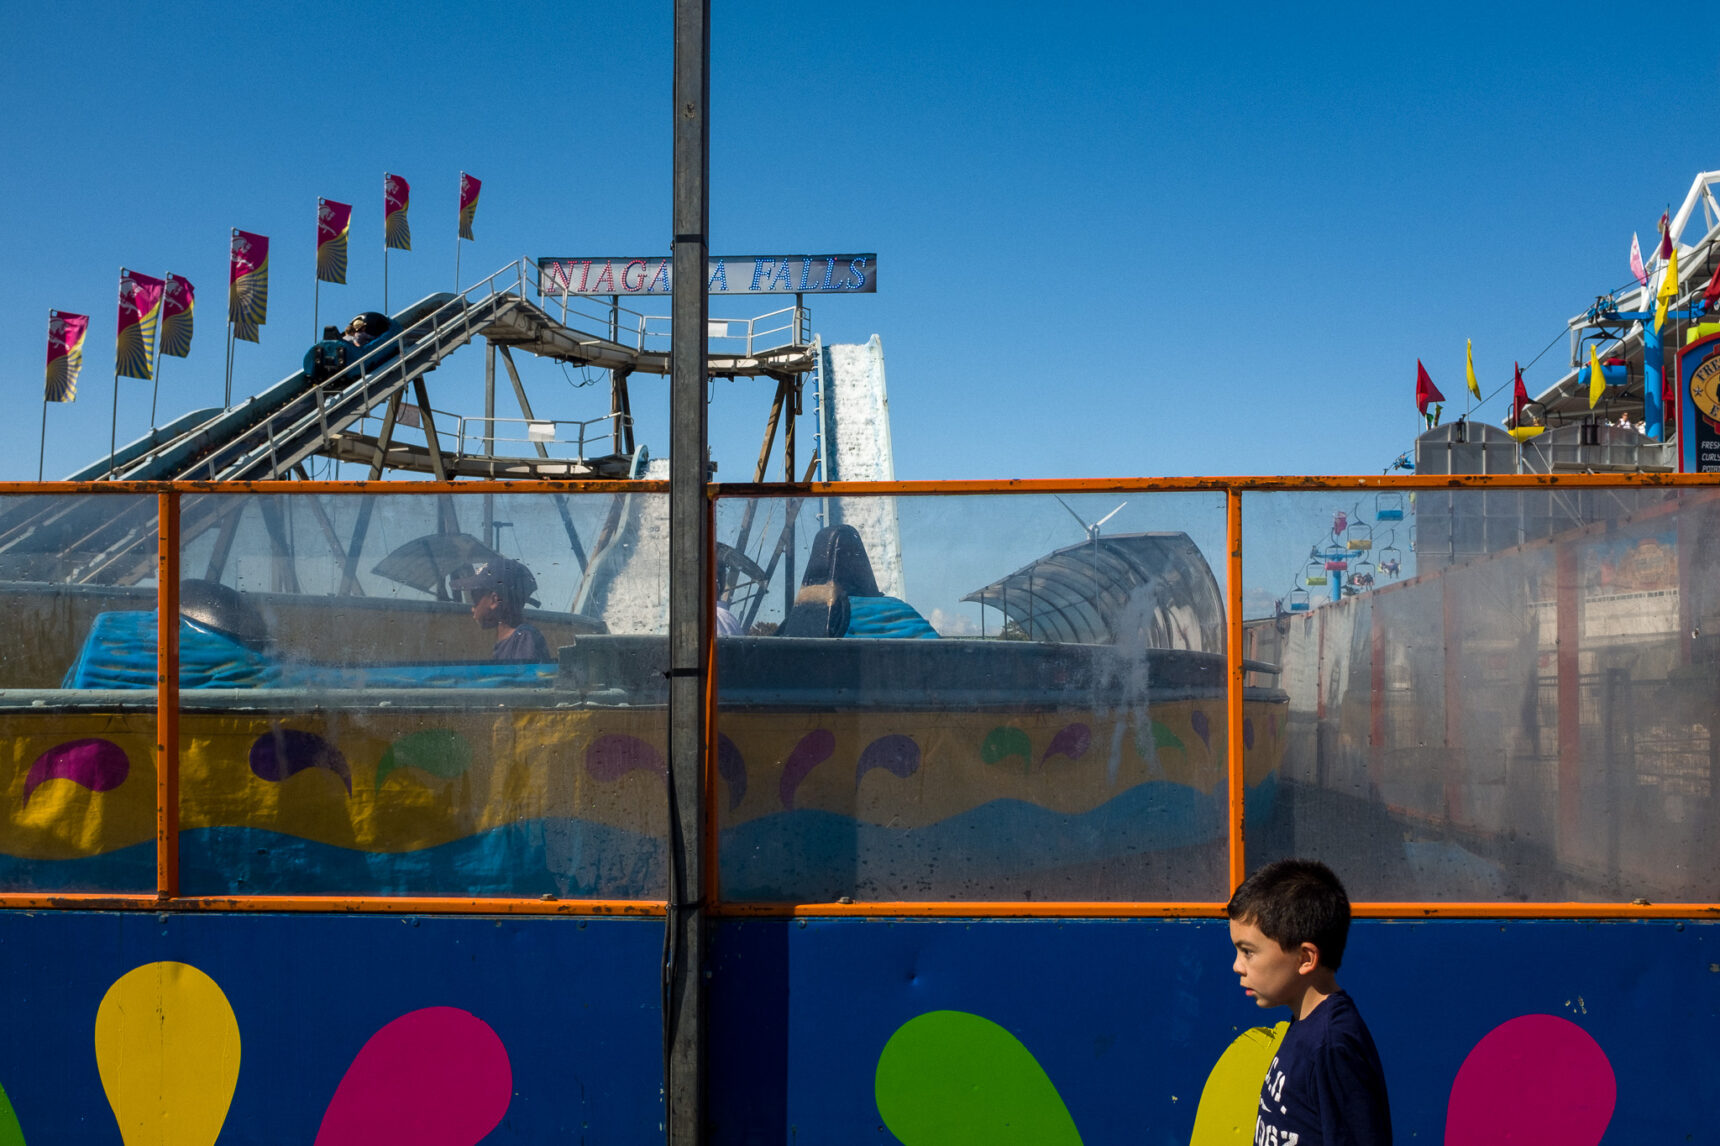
point(1151, 590)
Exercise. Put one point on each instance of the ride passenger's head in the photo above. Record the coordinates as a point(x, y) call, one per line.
point(499, 592)
point(838, 557)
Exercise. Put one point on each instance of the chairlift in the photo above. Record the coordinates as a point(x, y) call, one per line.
point(1298, 600)
point(1361, 536)
point(1316, 574)
point(1336, 562)
point(1362, 576)
point(1391, 561)
point(1388, 507)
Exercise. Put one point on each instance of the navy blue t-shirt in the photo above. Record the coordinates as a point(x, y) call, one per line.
point(526, 645)
point(1325, 1087)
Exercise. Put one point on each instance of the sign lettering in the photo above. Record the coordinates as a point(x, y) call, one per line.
point(724, 275)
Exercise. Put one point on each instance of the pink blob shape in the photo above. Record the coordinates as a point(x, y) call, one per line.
point(435, 1077)
point(812, 750)
point(1072, 740)
point(99, 765)
point(1536, 1078)
point(612, 757)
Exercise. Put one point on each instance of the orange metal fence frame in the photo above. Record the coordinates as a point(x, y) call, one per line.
point(167, 898)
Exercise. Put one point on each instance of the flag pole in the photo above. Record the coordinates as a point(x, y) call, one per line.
point(155, 367)
point(113, 426)
point(42, 450)
point(456, 263)
point(316, 309)
point(227, 398)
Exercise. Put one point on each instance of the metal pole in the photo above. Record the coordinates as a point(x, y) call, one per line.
point(684, 1015)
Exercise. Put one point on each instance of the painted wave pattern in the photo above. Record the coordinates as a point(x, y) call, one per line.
point(800, 853)
point(818, 856)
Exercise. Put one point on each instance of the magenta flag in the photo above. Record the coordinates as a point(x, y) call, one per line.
point(139, 311)
point(334, 223)
point(396, 198)
point(248, 284)
point(178, 302)
point(65, 354)
point(469, 186)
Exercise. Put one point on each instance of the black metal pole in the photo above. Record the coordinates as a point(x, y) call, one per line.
point(684, 1013)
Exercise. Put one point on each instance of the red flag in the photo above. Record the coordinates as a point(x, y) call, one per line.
point(1711, 296)
point(1665, 251)
point(1519, 399)
point(1425, 390)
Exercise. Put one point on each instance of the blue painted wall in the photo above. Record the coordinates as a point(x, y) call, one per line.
point(1125, 1016)
point(575, 1002)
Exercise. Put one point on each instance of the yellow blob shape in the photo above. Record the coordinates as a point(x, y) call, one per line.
point(1231, 1097)
point(167, 1046)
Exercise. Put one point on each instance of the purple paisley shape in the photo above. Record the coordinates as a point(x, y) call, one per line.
point(1202, 727)
point(1072, 740)
point(896, 754)
point(732, 768)
point(813, 749)
point(288, 751)
point(613, 756)
point(99, 765)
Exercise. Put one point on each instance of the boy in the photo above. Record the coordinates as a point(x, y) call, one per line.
point(1289, 922)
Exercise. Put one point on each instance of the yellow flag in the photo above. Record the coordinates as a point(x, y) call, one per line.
point(1597, 381)
point(1668, 289)
point(1469, 365)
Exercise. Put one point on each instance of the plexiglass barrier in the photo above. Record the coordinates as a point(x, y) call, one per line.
point(77, 775)
point(975, 698)
point(1531, 715)
point(1487, 695)
point(395, 703)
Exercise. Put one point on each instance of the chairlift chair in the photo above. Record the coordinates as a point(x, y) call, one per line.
point(1391, 561)
point(1299, 600)
point(1336, 562)
point(1316, 574)
point(1361, 536)
point(1388, 507)
point(1362, 576)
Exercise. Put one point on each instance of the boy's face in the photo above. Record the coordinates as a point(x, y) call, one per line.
point(1272, 976)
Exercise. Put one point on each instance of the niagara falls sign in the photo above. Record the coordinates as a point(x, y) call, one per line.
point(725, 275)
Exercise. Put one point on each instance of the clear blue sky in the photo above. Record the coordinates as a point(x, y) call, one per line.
point(1115, 239)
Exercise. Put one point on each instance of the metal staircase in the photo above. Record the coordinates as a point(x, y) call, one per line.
point(272, 435)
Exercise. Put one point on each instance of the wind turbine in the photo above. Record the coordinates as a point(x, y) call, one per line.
point(1092, 530)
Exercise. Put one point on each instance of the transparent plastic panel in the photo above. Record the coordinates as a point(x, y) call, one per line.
point(1534, 719)
point(975, 698)
point(78, 775)
point(424, 694)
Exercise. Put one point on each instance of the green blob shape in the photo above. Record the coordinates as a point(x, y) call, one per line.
point(11, 1134)
point(1003, 742)
point(438, 751)
point(950, 1078)
point(1163, 737)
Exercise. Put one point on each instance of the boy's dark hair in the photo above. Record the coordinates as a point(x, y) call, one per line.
point(1294, 902)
